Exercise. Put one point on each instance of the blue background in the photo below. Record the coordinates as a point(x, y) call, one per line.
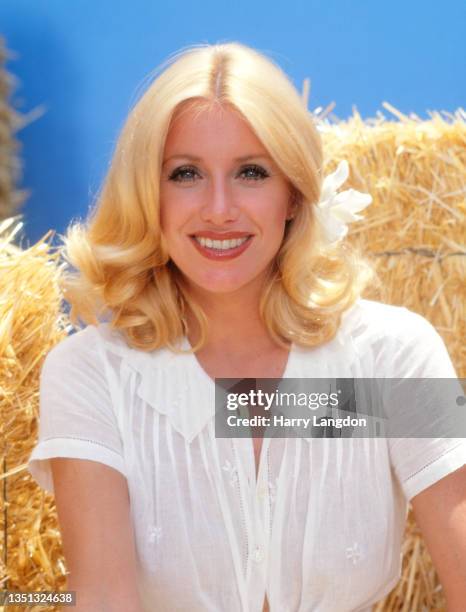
point(82, 63)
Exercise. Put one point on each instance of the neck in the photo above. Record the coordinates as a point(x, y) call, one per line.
point(233, 319)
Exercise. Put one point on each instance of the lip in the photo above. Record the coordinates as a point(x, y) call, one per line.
point(217, 254)
point(221, 235)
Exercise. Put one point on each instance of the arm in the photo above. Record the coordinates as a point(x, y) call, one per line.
point(93, 510)
point(440, 511)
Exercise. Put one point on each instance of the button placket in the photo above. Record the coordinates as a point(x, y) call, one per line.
point(273, 490)
point(262, 507)
point(259, 542)
point(262, 491)
point(258, 555)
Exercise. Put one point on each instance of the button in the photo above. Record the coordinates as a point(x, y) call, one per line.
point(258, 555)
point(262, 491)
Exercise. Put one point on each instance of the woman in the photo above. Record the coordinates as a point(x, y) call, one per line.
point(210, 258)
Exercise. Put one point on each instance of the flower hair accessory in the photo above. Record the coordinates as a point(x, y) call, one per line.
point(335, 210)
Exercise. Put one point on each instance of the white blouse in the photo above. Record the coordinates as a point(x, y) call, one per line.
point(321, 527)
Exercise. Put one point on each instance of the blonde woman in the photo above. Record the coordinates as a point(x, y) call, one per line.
point(207, 256)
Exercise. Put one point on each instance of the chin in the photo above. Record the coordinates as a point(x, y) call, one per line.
point(211, 283)
point(221, 287)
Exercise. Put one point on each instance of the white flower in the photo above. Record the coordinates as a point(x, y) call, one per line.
point(335, 210)
point(155, 533)
point(231, 469)
point(354, 553)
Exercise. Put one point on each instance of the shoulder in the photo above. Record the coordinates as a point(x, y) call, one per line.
point(102, 347)
point(83, 349)
point(72, 347)
point(86, 358)
point(89, 340)
point(402, 343)
point(376, 320)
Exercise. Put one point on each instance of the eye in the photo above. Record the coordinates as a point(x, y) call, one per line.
point(183, 174)
point(254, 173)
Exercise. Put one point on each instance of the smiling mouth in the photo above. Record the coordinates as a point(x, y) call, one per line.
point(220, 245)
point(221, 250)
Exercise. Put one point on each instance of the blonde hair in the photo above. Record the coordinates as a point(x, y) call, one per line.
point(123, 269)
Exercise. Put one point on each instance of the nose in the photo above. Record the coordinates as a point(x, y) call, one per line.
point(219, 206)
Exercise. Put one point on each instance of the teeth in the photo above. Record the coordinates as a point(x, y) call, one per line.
point(221, 245)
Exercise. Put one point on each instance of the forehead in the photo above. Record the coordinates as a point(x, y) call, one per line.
point(210, 128)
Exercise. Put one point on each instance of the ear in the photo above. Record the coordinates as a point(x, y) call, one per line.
point(292, 204)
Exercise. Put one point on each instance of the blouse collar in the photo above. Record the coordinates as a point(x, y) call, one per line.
point(176, 385)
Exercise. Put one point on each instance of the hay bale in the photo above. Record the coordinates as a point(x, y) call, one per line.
point(31, 323)
point(414, 230)
point(414, 233)
point(10, 121)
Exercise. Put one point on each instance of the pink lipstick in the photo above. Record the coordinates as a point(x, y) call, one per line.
point(221, 247)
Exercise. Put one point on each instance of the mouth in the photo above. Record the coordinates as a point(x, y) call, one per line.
point(221, 249)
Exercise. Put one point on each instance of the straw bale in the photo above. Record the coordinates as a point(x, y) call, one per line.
point(31, 323)
point(10, 121)
point(413, 232)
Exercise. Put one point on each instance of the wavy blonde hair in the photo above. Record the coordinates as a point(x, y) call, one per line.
point(123, 271)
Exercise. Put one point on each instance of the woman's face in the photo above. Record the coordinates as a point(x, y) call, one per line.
point(224, 202)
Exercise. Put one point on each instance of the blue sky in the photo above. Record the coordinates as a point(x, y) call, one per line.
point(83, 62)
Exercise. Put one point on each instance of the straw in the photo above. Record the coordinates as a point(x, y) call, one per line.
point(413, 232)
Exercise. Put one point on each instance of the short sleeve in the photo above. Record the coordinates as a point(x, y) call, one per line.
point(76, 419)
point(418, 351)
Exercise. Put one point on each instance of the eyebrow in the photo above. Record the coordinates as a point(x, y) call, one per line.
point(198, 159)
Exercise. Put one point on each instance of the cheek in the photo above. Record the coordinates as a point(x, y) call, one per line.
point(171, 215)
point(274, 213)
point(164, 207)
point(176, 209)
point(163, 216)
